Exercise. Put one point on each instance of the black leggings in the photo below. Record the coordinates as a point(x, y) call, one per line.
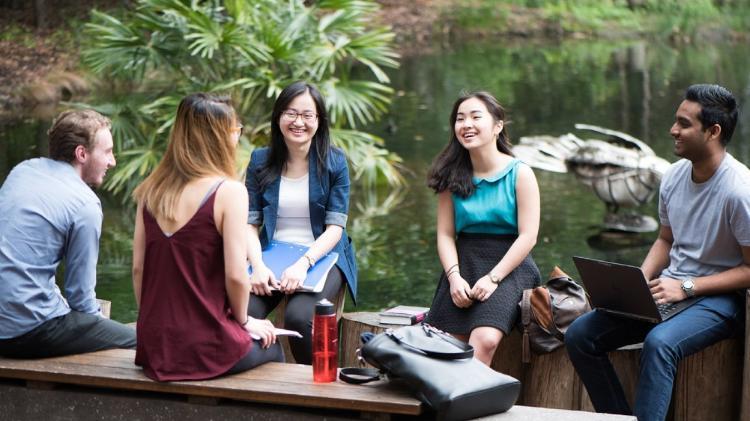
point(299, 312)
point(257, 356)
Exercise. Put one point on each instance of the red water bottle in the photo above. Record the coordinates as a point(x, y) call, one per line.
point(325, 337)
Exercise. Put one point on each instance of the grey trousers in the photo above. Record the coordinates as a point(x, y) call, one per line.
point(73, 333)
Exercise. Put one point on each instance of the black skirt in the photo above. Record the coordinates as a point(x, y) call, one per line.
point(477, 254)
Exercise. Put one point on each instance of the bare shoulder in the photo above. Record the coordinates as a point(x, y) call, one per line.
point(525, 173)
point(231, 189)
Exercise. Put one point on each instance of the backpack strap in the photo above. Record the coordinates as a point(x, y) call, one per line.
point(525, 321)
point(356, 375)
point(464, 350)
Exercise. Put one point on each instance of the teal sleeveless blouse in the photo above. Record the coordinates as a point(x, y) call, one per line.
point(491, 209)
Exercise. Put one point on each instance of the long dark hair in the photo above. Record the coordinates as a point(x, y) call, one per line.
point(278, 152)
point(452, 169)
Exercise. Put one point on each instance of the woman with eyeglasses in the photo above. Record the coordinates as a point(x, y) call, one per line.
point(299, 193)
point(487, 224)
point(189, 254)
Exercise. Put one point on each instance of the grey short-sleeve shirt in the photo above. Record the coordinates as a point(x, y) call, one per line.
point(710, 221)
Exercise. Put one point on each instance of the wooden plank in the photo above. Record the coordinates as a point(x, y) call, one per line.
point(745, 412)
point(288, 384)
point(708, 384)
point(526, 413)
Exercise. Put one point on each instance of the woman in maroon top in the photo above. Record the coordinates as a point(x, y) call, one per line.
point(189, 254)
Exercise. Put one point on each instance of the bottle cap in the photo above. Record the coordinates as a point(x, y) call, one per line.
point(324, 308)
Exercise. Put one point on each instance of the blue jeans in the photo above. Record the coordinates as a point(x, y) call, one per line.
point(594, 334)
point(72, 333)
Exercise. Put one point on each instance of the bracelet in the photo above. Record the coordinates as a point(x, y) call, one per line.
point(450, 268)
point(310, 260)
point(448, 275)
point(246, 322)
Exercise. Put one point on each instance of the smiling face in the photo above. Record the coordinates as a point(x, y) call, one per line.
point(299, 121)
point(96, 161)
point(475, 127)
point(690, 138)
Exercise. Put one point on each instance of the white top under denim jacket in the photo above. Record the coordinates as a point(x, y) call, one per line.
point(293, 221)
point(328, 203)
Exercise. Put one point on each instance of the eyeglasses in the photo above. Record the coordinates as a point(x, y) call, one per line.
point(239, 130)
point(291, 115)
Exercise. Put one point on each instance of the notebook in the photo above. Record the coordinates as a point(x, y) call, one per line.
point(403, 315)
point(280, 255)
point(622, 289)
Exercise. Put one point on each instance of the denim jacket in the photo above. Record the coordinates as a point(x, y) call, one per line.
point(329, 205)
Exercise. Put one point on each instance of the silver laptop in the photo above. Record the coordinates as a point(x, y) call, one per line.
point(622, 289)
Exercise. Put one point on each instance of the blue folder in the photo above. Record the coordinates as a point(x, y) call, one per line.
point(280, 255)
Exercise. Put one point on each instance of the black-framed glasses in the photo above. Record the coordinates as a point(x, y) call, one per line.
point(291, 115)
point(240, 129)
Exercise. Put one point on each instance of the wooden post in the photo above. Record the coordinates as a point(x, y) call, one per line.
point(507, 359)
point(106, 307)
point(745, 410)
point(708, 384)
point(352, 326)
point(627, 366)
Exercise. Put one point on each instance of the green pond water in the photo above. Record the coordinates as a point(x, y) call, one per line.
point(546, 88)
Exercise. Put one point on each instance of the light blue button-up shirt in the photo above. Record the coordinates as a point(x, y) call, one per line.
point(47, 214)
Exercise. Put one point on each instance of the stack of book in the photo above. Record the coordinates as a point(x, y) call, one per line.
point(403, 315)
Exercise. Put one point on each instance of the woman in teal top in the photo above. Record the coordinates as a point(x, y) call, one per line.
point(487, 224)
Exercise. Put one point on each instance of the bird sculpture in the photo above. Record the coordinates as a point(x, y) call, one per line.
point(621, 170)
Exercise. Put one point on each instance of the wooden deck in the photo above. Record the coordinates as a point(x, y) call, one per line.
point(274, 383)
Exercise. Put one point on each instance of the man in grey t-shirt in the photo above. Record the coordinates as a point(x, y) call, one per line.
point(48, 213)
point(703, 250)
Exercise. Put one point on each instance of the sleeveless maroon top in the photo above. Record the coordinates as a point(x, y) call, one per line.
point(185, 329)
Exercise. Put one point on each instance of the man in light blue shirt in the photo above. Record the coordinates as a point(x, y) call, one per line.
point(48, 213)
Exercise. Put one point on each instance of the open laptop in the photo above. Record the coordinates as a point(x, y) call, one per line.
point(622, 289)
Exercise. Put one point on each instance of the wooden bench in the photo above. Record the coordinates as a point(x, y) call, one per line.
point(289, 385)
point(708, 384)
point(106, 384)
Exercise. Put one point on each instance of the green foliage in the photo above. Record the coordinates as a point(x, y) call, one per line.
point(662, 18)
point(680, 17)
point(589, 15)
point(164, 49)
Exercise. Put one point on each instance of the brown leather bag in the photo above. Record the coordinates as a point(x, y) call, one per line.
point(548, 310)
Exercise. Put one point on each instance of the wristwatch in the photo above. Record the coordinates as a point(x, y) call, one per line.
point(687, 285)
point(494, 279)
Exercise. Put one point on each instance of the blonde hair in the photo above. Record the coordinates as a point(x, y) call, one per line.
point(72, 128)
point(200, 145)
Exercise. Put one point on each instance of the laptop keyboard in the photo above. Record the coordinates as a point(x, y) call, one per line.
point(666, 309)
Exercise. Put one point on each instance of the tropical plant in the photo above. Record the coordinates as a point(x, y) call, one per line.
point(158, 51)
